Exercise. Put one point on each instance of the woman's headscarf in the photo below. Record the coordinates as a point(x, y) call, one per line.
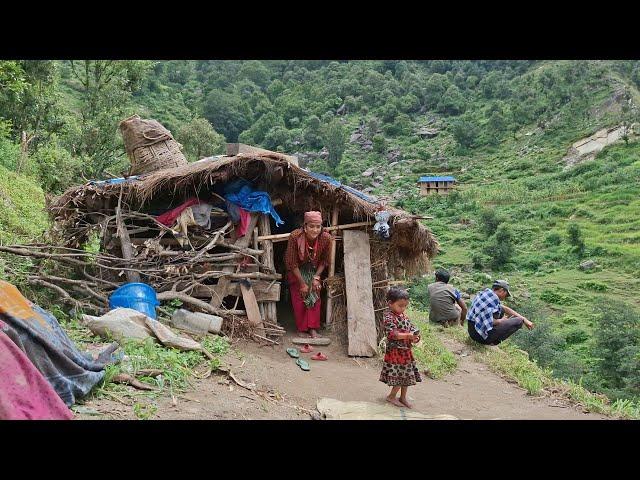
point(312, 216)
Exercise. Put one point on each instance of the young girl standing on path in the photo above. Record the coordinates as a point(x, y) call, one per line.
point(399, 370)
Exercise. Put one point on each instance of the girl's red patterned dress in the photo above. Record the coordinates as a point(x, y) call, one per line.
point(399, 367)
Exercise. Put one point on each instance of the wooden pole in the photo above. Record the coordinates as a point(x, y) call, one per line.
point(125, 241)
point(332, 262)
point(285, 236)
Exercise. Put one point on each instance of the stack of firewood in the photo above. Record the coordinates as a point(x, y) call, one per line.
point(136, 247)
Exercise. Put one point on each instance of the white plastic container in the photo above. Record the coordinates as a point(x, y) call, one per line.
point(196, 322)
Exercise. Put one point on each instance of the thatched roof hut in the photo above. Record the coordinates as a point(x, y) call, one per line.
point(85, 205)
point(90, 207)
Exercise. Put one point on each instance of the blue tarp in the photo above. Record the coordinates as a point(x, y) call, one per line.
point(346, 188)
point(112, 181)
point(242, 194)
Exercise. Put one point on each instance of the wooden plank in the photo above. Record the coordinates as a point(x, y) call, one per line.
point(332, 263)
point(260, 288)
point(264, 227)
point(221, 288)
point(284, 236)
point(251, 305)
point(238, 148)
point(312, 341)
point(360, 314)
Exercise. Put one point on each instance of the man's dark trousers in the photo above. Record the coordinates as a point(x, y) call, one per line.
point(499, 333)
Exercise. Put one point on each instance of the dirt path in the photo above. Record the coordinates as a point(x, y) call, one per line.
point(472, 392)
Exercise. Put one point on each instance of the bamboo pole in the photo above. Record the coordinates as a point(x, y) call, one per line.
point(332, 262)
point(284, 236)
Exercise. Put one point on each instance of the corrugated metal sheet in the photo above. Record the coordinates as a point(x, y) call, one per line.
point(436, 179)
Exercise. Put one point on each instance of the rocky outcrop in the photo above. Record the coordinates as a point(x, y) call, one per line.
point(426, 132)
point(588, 148)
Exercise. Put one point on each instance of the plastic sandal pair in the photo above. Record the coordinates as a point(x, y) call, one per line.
point(308, 349)
point(293, 353)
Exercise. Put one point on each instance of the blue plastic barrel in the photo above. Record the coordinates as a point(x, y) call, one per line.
point(137, 296)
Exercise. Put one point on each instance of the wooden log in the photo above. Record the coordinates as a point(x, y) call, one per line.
point(332, 263)
point(362, 334)
point(172, 242)
point(260, 288)
point(284, 236)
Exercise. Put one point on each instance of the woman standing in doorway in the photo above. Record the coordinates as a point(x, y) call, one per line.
point(306, 258)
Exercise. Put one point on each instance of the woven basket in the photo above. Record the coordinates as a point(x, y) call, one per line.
point(150, 146)
point(161, 155)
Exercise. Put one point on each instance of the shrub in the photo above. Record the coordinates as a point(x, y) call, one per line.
point(594, 286)
point(479, 260)
point(617, 348)
point(575, 239)
point(489, 221)
point(555, 297)
point(55, 167)
point(546, 347)
point(553, 239)
point(499, 248)
point(576, 335)
point(379, 144)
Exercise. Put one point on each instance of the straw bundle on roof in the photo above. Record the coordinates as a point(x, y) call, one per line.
point(150, 146)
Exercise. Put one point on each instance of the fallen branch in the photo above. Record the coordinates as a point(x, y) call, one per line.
point(265, 338)
point(129, 380)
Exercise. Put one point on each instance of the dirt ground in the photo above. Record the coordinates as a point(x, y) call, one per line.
point(283, 391)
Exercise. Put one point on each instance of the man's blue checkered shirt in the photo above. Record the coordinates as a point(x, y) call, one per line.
point(482, 309)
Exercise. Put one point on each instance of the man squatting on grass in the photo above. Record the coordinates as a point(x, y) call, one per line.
point(446, 306)
point(487, 323)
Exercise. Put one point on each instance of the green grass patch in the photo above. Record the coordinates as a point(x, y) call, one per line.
point(179, 368)
point(431, 355)
point(22, 208)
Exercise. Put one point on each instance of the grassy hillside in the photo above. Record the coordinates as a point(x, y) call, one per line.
point(22, 216)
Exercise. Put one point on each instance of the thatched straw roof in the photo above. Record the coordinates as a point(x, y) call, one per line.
point(297, 187)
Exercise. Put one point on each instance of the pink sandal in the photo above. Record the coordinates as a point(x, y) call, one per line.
point(306, 348)
point(319, 356)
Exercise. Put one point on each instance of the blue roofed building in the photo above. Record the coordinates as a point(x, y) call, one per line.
point(438, 185)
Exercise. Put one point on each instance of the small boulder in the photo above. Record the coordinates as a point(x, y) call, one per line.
point(355, 137)
point(588, 265)
point(368, 172)
point(393, 155)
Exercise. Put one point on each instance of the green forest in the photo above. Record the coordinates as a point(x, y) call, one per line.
point(566, 234)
